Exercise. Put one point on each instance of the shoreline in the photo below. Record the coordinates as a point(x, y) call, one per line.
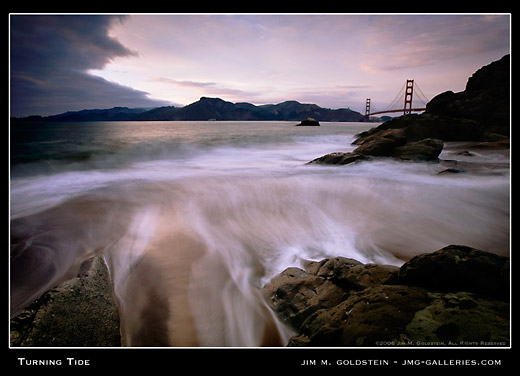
point(432, 300)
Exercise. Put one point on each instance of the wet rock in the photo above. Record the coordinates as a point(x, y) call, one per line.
point(462, 319)
point(296, 294)
point(339, 158)
point(379, 313)
point(427, 149)
point(351, 275)
point(79, 312)
point(454, 296)
point(451, 171)
point(459, 268)
point(379, 144)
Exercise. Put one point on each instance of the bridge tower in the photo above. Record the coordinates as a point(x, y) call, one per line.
point(367, 110)
point(408, 95)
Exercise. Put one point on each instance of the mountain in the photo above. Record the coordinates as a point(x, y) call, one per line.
point(112, 114)
point(211, 108)
point(218, 109)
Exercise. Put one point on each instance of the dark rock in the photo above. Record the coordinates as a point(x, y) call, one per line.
point(485, 99)
point(459, 268)
point(451, 170)
point(79, 312)
point(378, 313)
point(339, 158)
point(377, 147)
point(309, 122)
point(427, 149)
point(396, 135)
point(461, 318)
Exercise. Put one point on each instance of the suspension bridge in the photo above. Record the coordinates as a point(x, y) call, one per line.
point(410, 104)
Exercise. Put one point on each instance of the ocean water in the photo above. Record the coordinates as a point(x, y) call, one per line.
point(193, 218)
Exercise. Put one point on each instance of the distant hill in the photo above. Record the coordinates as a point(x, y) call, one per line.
point(210, 109)
point(112, 114)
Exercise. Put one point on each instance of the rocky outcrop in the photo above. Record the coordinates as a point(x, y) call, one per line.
point(79, 312)
point(339, 158)
point(480, 113)
point(427, 149)
point(392, 143)
point(309, 122)
point(456, 296)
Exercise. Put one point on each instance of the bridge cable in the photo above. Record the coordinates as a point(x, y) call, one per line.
point(424, 99)
point(398, 97)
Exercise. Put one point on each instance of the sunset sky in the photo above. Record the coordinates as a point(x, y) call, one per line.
point(62, 63)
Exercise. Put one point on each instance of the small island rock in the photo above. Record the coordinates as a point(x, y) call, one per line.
point(309, 122)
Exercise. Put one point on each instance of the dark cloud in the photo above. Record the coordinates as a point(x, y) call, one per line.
point(49, 60)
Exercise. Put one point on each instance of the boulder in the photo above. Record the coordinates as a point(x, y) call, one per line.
point(427, 149)
point(79, 312)
point(459, 268)
point(295, 294)
point(388, 138)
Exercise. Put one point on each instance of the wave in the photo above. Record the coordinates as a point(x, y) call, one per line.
point(188, 256)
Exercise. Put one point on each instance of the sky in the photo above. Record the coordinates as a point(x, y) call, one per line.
point(72, 62)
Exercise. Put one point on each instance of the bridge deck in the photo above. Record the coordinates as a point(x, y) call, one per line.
point(402, 110)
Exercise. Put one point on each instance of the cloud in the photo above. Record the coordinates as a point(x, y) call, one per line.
point(404, 42)
point(190, 84)
point(49, 60)
point(208, 88)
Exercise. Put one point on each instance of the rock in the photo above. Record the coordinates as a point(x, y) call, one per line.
point(339, 158)
point(377, 147)
point(333, 268)
point(352, 275)
point(459, 268)
point(460, 318)
point(454, 296)
point(309, 122)
point(79, 312)
point(379, 313)
point(427, 149)
point(485, 99)
point(451, 170)
point(378, 143)
point(295, 295)
point(393, 143)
